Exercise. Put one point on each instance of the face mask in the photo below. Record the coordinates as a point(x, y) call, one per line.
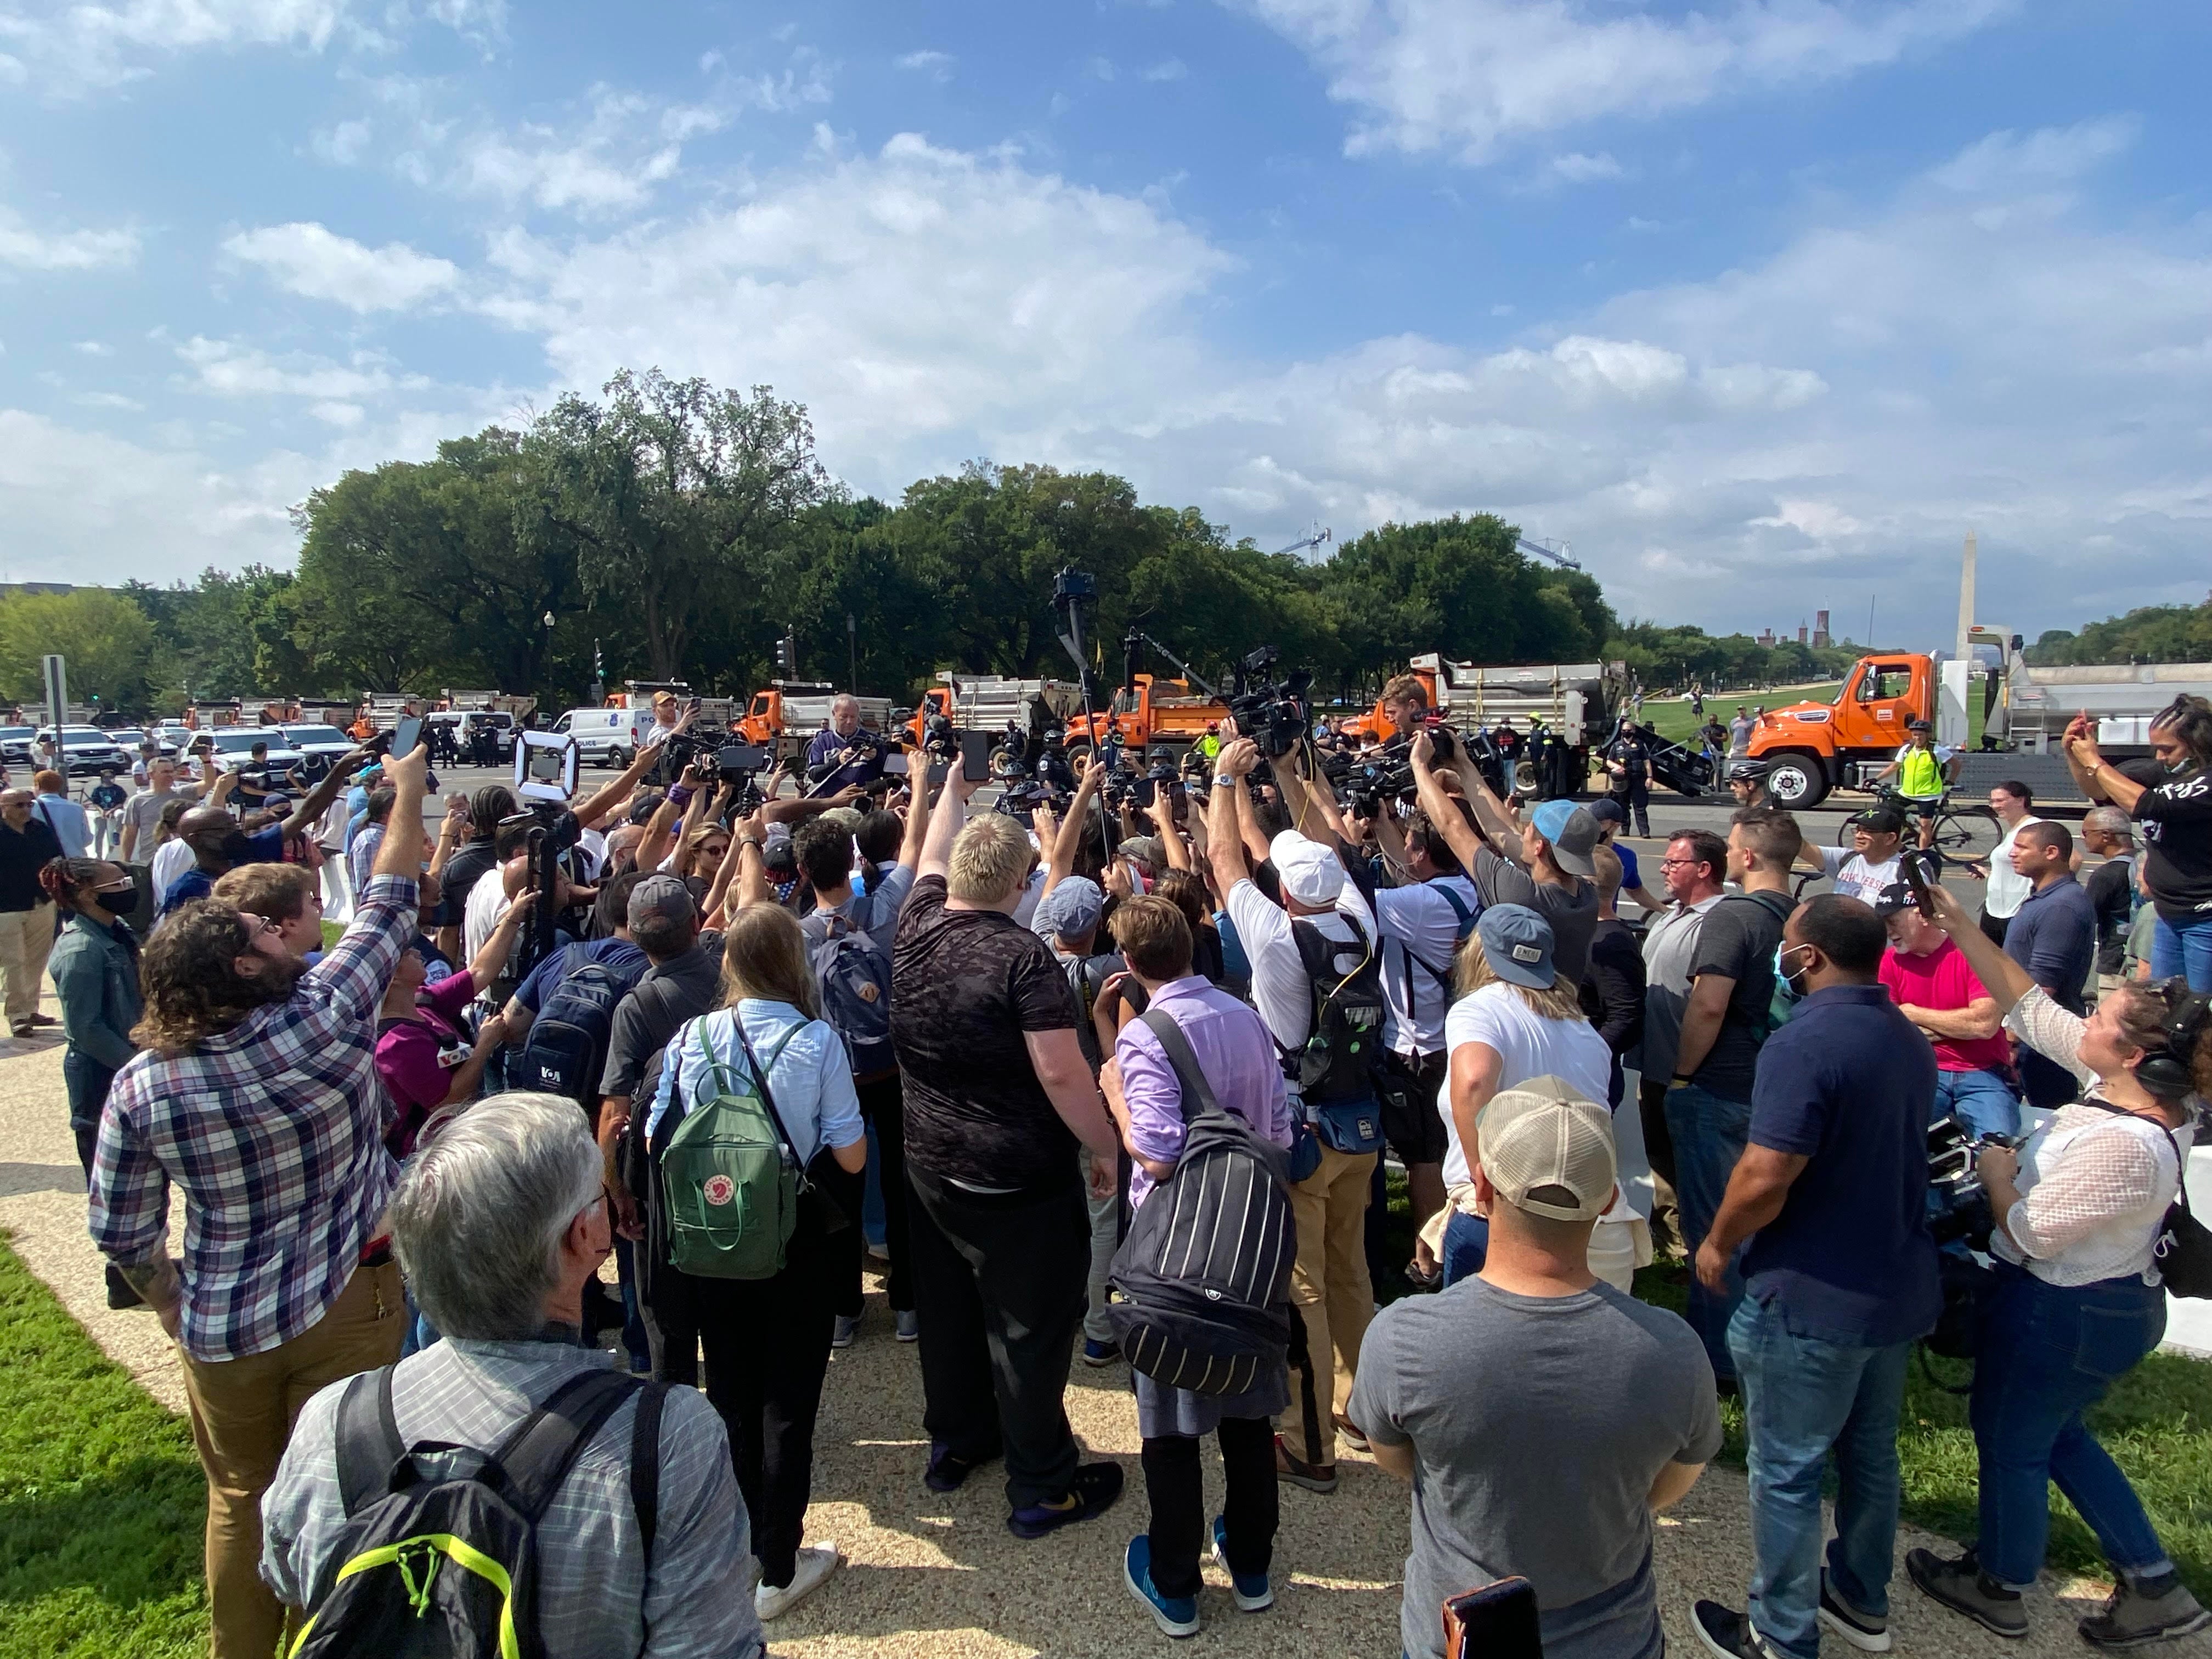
point(238, 846)
point(1794, 979)
point(118, 900)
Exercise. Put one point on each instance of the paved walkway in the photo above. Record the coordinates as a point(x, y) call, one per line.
point(941, 1576)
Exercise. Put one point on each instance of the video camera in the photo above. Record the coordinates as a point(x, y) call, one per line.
point(742, 764)
point(1960, 1210)
point(1274, 714)
point(941, 739)
point(1125, 786)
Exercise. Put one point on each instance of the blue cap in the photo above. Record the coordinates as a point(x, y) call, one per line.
point(1571, 831)
point(1072, 908)
point(1516, 942)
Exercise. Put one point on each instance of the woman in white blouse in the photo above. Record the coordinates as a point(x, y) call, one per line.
point(2078, 1300)
point(767, 1341)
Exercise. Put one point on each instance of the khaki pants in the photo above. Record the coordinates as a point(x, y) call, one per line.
point(26, 937)
point(243, 1415)
point(1331, 1295)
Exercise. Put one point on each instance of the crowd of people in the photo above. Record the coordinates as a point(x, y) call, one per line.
point(741, 1040)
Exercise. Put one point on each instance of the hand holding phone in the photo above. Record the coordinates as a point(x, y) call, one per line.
point(1917, 880)
point(407, 735)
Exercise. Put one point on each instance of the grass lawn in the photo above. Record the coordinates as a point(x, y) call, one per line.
point(2156, 1423)
point(101, 1500)
point(1671, 717)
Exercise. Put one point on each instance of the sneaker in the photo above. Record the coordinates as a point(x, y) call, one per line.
point(848, 1326)
point(879, 1250)
point(1093, 1493)
point(1961, 1585)
point(1726, 1633)
point(949, 1472)
point(1254, 1592)
point(1176, 1615)
point(1422, 1281)
point(119, 1293)
point(1348, 1432)
point(815, 1565)
point(1314, 1477)
point(908, 1325)
point(1867, 1632)
point(1097, 1354)
point(2133, 1619)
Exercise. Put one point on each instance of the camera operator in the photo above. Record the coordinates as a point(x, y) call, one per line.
point(671, 714)
point(2176, 814)
point(2077, 1301)
point(843, 755)
point(1628, 773)
point(1830, 1201)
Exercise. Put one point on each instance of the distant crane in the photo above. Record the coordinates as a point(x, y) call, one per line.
point(1559, 553)
point(1318, 535)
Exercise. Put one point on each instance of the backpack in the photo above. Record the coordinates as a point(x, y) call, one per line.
point(853, 976)
point(1781, 1001)
point(439, 1552)
point(1442, 975)
point(566, 1051)
point(729, 1179)
point(1344, 1040)
point(1203, 1278)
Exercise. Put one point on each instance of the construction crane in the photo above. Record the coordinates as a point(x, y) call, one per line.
point(1559, 554)
point(1314, 540)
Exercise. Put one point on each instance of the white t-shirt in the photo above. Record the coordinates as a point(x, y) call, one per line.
point(1530, 1046)
point(1855, 878)
point(487, 899)
point(1420, 920)
point(1280, 989)
point(171, 860)
point(2007, 890)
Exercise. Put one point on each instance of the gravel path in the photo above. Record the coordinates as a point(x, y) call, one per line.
point(941, 1576)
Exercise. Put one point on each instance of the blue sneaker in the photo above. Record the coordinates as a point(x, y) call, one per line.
point(1097, 1354)
point(1176, 1615)
point(1254, 1592)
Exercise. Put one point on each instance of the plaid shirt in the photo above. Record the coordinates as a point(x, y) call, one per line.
point(274, 1130)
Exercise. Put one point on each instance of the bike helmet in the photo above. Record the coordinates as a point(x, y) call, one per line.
point(1747, 768)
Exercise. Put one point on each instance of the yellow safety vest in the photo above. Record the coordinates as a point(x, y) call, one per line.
point(1920, 774)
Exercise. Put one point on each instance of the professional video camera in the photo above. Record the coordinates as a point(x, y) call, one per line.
point(742, 764)
point(1960, 1210)
point(1274, 714)
point(1020, 801)
point(1126, 786)
point(941, 739)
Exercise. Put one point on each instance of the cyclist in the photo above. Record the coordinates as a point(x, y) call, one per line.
point(1747, 780)
point(1923, 775)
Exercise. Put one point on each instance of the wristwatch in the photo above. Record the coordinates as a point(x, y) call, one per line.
point(1223, 781)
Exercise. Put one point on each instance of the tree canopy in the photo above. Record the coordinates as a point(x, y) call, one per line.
point(2156, 633)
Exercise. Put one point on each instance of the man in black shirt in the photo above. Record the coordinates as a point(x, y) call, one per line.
point(998, 1095)
point(2109, 834)
point(1717, 1056)
point(26, 914)
point(1628, 765)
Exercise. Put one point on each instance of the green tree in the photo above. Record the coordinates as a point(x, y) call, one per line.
point(2155, 633)
point(1461, 586)
point(106, 638)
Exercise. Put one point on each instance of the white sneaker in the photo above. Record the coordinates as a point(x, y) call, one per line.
point(815, 1565)
point(848, 1328)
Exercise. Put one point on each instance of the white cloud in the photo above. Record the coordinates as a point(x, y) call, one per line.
point(1168, 68)
point(307, 259)
point(936, 65)
point(345, 143)
point(1102, 68)
point(2052, 156)
point(233, 370)
point(29, 249)
point(95, 348)
point(1579, 169)
point(610, 162)
point(1466, 76)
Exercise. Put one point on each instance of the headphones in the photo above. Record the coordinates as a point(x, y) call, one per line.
point(2166, 1072)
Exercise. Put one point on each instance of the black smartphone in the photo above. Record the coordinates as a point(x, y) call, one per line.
point(1917, 880)
point(1143, 793)
point(407, 735)
point(975, 749)
point(1498, 1621)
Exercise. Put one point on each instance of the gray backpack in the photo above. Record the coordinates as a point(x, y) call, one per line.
point(853, 974)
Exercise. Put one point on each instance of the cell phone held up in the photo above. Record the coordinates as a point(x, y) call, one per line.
point(1915, 879)
point(406, 735)
point(1498, 1621)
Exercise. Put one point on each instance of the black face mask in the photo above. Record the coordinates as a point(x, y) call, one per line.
point(237, 847)
point(118, 900)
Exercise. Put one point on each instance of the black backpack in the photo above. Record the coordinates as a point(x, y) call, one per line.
point(565, 1052)
point(1343, 1041)
point(1203, 1280)
point(439, 1554)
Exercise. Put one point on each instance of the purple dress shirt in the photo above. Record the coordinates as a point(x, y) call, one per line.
point(1233, 1049)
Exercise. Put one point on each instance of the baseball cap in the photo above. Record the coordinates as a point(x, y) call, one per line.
point(1548, 1151)
point(1606, 809)
point(659, 697)
point(1573, 832)
point(660, 895)
point(1882, 821)
point(1072, 908)
point(1516, 942)
point(1307, 871)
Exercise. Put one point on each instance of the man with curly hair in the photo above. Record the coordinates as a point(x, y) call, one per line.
point(257, 1095)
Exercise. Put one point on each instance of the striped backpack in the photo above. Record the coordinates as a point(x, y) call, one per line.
point(1203, 1281)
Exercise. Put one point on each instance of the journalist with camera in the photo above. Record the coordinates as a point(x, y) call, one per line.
point(2078, 1293)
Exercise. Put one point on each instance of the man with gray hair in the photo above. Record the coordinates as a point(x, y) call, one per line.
point(498, 1223)
point(842, 754)
point(2109, 834)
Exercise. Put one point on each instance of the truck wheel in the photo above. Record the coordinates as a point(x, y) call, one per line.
point(1796, 782)
point(616, 760)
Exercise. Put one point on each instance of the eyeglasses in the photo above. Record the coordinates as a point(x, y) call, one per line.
point(1680, 864)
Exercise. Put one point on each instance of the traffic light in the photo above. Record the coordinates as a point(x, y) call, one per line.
point(786, 658)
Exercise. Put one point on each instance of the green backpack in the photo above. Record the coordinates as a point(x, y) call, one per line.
point(729, 1179)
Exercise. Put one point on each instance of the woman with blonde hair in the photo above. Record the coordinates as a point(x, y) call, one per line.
point(767, 1340)
point(1515, 1019)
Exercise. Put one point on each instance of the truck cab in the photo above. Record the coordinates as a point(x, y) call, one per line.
point(1816, 747)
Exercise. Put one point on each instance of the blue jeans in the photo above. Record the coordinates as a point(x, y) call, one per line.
point(1803, 1397)
point(1466, 1246)
point(2049, 1352)
point(1709, 1133)
point(1983, 1101)
point(2184, 950)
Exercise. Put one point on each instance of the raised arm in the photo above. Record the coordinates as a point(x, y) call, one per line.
point(1311, 809)
point(945, 820)
point(303, 817)
point(1459, 834)
point(604, 799)
point(2004, 979)
point(1223, 836)
point(1068, 840)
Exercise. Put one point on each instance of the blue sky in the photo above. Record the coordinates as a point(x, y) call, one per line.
point(1760, 306)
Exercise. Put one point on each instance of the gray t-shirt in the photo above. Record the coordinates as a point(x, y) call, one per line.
point(1571, 912)
point(1538, 1425)
point(144, 809)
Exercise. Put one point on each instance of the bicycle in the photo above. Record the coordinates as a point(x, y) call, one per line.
point(1963, 834)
